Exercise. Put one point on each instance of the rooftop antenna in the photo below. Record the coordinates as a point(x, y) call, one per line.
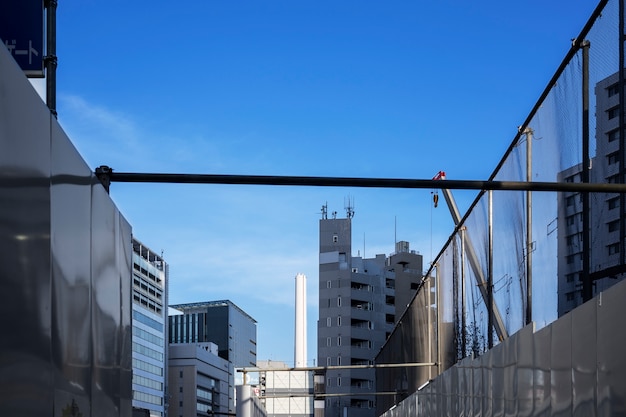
point(325, 211)
point(395, 231)
point(349, 206)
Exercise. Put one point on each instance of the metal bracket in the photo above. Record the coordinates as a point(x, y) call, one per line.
point(103, 173)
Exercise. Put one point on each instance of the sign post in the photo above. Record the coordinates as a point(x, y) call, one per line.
point(21, 31)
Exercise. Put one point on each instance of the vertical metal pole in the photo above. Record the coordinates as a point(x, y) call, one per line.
point(429, 322)
point(529, 227)
point(51, 57)
point(622, 130)
point(463, 329)
point(438, 296)
point(587, 290)
point(490, 276)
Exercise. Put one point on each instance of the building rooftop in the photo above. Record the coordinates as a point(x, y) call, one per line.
point(209, 304)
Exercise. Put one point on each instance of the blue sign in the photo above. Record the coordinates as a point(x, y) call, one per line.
point(21, 31)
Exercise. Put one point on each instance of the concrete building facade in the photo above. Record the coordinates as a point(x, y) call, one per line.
point(357, 311)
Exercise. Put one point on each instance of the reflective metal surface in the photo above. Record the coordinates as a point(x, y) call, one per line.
point(573, 367)
point(70, 244)
point(26, 372)
point(64, 270)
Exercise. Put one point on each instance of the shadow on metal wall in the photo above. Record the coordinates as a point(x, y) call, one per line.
point(65, 253)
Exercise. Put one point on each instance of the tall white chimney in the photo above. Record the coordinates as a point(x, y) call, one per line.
point(300, 345)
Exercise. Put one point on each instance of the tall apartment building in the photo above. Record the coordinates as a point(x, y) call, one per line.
point(606, 259)
point(357, 311)
point(222, 323)
point(149, 310)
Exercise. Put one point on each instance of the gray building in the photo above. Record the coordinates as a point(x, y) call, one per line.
point(149, 309)
point(357, 310)
point(606, 214)
point(222, 323)
point(406, 264)
point(198, 380)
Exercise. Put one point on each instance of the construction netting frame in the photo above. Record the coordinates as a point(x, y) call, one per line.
point(532, 256)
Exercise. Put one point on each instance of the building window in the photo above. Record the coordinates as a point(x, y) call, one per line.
point(613, 226)
point(181, 374)
point(613, 248)
point(338, 340)
point(613, 135)
point(612, 158)
point(613, 203)
point(338, 360)
point(571, 277)
point(335, 238)
point(328, 341)
point(329, 284)
point(571, 258)
point(613, 112)
point(180, 389)
point(578, 237)
point(328, 322)
point(612, 89)
point(338, 301)
point(339, 321)
point(570, 201)
point(328, 361)
point(574, 219)
point(570, 296)
point(338, 381)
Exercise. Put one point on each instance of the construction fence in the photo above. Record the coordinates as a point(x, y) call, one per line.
point(521, 259)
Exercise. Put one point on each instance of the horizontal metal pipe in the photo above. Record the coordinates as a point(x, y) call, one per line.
point(362, 182)
point(344, 394)
point(332, 368)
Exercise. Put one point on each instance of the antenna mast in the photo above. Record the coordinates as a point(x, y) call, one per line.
point(349, 206)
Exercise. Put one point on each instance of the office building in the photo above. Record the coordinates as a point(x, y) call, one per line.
point(222, 323)
point(198, 380)
point(149, 310)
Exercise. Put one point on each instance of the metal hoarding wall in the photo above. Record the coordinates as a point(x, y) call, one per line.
point(572, 367)
point(65, 265)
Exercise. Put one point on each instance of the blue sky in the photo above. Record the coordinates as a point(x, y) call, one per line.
point(399, 89)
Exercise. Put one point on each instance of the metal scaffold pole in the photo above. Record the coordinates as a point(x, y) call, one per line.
point(51, 57)
point(587, 290)
point(529, 227)
point(490, 275)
